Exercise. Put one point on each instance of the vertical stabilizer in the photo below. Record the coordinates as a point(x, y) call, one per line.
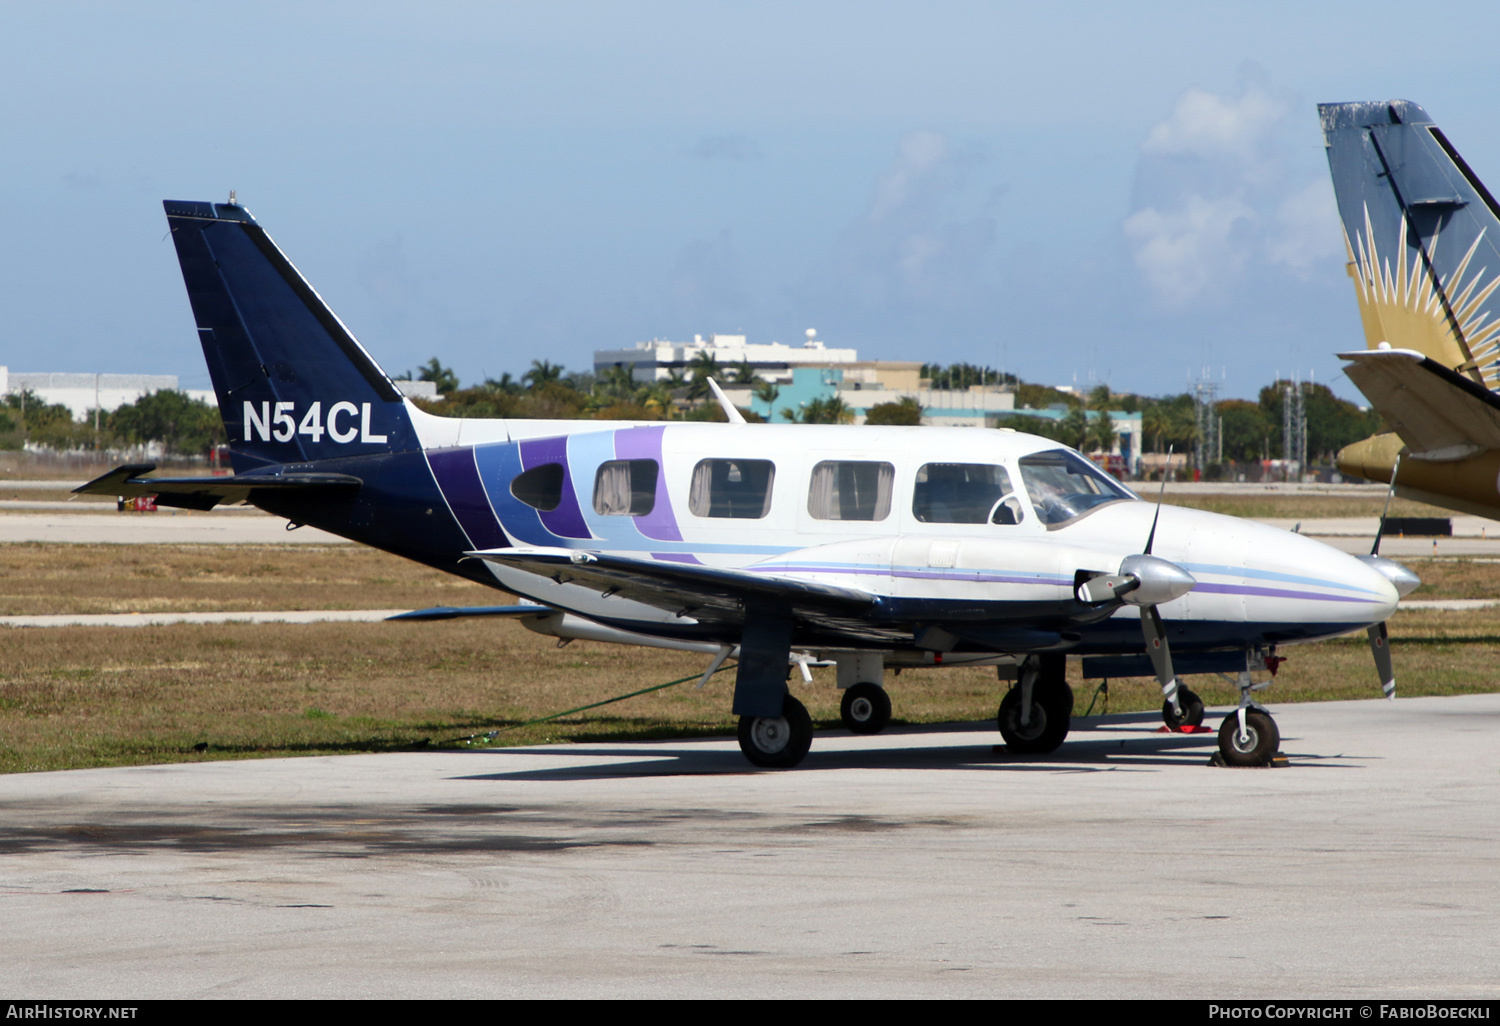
point(293, 384)
point(1421, 232)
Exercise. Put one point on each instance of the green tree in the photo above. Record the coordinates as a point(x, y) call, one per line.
point(904, 411)
point(542, 373)
point(830, 410)
point(443, 377)
point(1101, 435)
point(1074, 428)
point(181, 424)
point(1244, 429)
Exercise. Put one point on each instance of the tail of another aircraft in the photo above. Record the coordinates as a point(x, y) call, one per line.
point(1422, 234)
point(293, 384)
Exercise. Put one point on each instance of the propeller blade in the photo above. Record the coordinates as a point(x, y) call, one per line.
point(1161, 655)
point(1380, 648)
point(1159, 497)
point(1380, 531)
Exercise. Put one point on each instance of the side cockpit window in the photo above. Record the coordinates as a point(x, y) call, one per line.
point(540, 487)
point(1063, 485)
point(737, 489)
point(965, 493)
point(625, 488)
point(851, 490)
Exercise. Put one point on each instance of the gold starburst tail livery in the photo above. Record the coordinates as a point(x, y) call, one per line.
point(1421, 232)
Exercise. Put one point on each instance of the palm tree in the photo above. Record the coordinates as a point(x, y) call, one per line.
point(1101, 432)
point(542, 373)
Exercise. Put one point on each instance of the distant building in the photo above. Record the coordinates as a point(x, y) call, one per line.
point(774, 361)
point(82, 393)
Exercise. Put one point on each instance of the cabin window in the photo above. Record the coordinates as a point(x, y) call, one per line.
point(965, 493)
point(625, 488)
point(540, 487)
point(851, 490)
point(738, 489)
point(1063, 485)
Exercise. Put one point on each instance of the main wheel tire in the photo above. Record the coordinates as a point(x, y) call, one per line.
point(1051, 709)
point(1257, 749)
point(777, 742)
point(865, 708)
point(1192, 711)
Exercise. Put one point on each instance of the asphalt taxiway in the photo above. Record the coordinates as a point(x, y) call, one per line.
point(917, 863)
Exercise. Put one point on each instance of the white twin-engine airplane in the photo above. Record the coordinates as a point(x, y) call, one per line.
point(779, 545)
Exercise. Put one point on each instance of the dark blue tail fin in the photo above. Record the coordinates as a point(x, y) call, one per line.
point(293, 384)
point(1423, 235)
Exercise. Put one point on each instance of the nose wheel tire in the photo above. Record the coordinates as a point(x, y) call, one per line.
point(1256, 748)
point(866, 708)
point(1192, 711)
point(1046, 727)
point(777, 742)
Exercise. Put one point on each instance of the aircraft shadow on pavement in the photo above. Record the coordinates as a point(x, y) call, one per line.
point(1134, 751)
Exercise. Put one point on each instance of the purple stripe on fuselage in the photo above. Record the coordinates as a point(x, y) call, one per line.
point(1247, 589)
point(677, 557)
point(458, 478)
point(645, 444)
point(566, 521)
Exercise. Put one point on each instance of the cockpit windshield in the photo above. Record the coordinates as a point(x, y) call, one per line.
point(1063, 485)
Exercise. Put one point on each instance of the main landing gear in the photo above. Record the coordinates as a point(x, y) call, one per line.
point(1035, 713)
point(777, 742)
point(865, 708)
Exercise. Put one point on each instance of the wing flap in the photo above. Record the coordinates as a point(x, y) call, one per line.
point(1433, 409)
point(207, 492)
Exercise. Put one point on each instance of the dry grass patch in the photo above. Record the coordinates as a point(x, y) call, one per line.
point(38, 578)
point(74, 697)
point(1309, 507)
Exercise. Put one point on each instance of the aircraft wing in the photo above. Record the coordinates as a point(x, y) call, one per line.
point(1433, 409)
point(207, 492)
point(689, 590)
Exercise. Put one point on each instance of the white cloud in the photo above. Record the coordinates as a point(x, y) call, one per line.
point(1186, 252)
point(919, 157)
point(1306, 229)
point(1217, 196)
point(1205, 124)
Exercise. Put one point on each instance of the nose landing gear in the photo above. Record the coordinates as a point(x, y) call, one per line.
point(1248, 736)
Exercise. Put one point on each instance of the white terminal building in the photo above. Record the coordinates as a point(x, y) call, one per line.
point(83, 393)
point(773, 361)
point(814, 371)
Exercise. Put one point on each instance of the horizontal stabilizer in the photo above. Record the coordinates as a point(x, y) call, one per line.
point(207, 492)
point(700, 592)
point(1437, 412)
point(459, 612)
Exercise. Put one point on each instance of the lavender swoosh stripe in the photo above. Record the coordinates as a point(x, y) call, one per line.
point(1247, 589)
point(566, 521)
point(645, 444)
point(458, 479)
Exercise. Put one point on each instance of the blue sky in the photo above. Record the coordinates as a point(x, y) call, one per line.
point(1091, 192)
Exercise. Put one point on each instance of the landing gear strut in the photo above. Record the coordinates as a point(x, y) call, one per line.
point(777, 742)
point(865, 708)
point(1034, 715)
